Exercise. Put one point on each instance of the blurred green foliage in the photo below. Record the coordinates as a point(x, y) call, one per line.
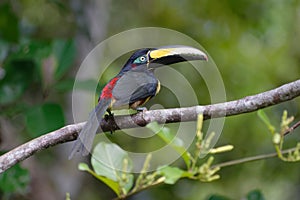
point(43, 119)
point(14, 182)
point(252, 195)
point(30, 68)
point(254, 43)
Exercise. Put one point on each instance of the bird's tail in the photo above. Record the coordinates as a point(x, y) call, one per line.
point(85, 139)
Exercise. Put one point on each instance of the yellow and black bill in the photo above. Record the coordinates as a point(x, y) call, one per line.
point(174, 54)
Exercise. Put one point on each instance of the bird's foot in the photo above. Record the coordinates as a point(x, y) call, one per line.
point(141, 109)
point(110, 113)
point(109, 117)
point(106, 117)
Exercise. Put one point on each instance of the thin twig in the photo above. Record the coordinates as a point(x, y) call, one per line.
point(292, 128)
point(157, 182)
point(252, 158)
point(70, 132)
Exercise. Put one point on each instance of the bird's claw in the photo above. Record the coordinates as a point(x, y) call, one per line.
point(141, 109)
point(107, 117)
point(110, 113)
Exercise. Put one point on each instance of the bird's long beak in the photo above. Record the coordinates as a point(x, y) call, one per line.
point(173, 54)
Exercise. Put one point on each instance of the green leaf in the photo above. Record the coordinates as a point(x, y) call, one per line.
point(22, 67)
point(255, 195)
point(175, 142)
point(44, 118)
point(107, 160)
point(110, 183)
point(64, 52)
point(172, 174)
point(112, 162)
point(15, 179)
point(18, 74)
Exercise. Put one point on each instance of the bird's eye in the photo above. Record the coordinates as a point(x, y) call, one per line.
point(141, 60)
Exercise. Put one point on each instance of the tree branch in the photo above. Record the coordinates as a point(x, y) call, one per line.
point(70, 132)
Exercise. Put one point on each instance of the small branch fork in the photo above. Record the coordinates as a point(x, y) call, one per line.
point(68, 133)
point(292, 128)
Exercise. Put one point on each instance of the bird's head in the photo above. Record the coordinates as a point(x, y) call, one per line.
point(151, 58)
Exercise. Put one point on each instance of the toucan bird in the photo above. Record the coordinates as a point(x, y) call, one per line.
point(133, 86)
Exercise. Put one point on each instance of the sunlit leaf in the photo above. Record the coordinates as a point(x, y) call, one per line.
point(107, 160)
point(172, 174)
point(110, 161)
point(110, 183)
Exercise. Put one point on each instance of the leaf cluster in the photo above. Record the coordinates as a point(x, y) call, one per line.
point(113, 166)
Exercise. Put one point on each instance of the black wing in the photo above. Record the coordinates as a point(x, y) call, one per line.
point(134, 86)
